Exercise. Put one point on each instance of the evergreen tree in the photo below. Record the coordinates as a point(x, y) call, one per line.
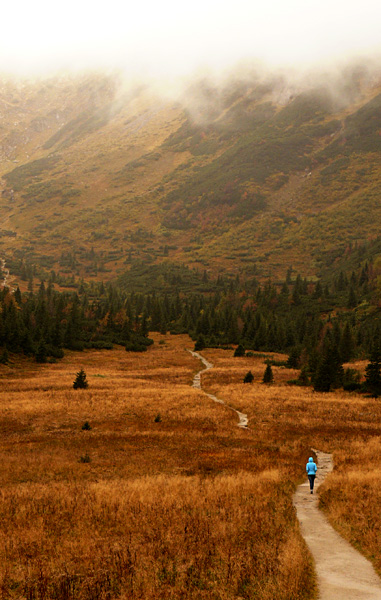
point(293, 359)
point(200, 344)
point(80, 382)
point(249, 377)
point(347, 344)
point(373, 372)
point(239, 351)
point(18, 297)
point(303, 378)
point(42, 352)
point(329, 371)
point(268, 376)
point(318, 292)
point(352, 298)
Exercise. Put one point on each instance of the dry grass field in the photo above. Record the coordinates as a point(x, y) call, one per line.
point(345, 424)
point(165, 497)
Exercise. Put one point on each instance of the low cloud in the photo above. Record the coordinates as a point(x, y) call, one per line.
point(171, 39)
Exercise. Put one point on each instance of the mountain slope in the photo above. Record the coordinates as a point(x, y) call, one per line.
point(252, 176)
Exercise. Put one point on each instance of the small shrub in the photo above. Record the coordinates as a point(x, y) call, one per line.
point(135, 347)
point(85, 459)
point(86, 426)
point(239, 351)
point(101, 345)
point(249, 377)
point(158, 418)
point(277, 363)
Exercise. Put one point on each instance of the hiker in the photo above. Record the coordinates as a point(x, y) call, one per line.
point(311, 469)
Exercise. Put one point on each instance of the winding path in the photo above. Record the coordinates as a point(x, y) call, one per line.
point(342, 572)
point(243, 420)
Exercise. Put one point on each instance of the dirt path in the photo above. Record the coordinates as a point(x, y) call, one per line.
point(342, 572)
point(242, 418)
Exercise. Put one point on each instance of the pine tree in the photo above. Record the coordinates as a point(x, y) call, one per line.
point(249, 377)
point(347, 344)
point(200, 344)
point(239, 351)
point(373, 373)
point(352, 298)
point(41, 353)
point(329, 371)
point(80, 381)
point(303, 378)
point(268, 376)
point(293, 359)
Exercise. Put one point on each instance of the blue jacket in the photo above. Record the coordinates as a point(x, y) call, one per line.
point(311, 468)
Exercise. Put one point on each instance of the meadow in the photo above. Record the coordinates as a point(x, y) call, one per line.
point(163, 496)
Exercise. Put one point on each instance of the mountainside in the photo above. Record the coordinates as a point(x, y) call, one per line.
point(252, 176)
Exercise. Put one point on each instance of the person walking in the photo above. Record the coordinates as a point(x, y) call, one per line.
point(311, 469)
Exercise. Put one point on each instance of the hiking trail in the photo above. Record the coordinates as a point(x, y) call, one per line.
point(243, 420)
point(342, 572)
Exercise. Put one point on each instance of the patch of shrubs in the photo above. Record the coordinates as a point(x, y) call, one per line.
point(138, 344)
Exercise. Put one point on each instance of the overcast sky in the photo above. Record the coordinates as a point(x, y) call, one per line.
point(175, 37)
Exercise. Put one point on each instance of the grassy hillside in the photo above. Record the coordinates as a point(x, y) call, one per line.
point(100, 178)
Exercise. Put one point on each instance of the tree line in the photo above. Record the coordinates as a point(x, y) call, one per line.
point(320, 327)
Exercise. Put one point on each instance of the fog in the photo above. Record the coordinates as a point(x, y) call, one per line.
point(169, 40)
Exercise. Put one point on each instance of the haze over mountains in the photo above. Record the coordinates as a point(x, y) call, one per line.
point(250, 174)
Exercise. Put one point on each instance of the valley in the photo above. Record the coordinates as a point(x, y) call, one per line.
point(210, 259)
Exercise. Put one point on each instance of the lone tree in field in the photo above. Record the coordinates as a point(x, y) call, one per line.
point(239, 351)
point(249, 377)
point(80, 382)
point(268, 376)
point(373, 373)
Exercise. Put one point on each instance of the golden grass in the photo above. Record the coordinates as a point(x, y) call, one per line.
point(154, 537)
point(352, 496)
point(190, 506)
point(344, 423)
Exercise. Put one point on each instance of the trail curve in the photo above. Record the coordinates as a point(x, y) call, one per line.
point(243, 420)
point(342, 572)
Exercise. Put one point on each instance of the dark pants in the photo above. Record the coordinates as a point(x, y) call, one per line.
point(312, 481)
